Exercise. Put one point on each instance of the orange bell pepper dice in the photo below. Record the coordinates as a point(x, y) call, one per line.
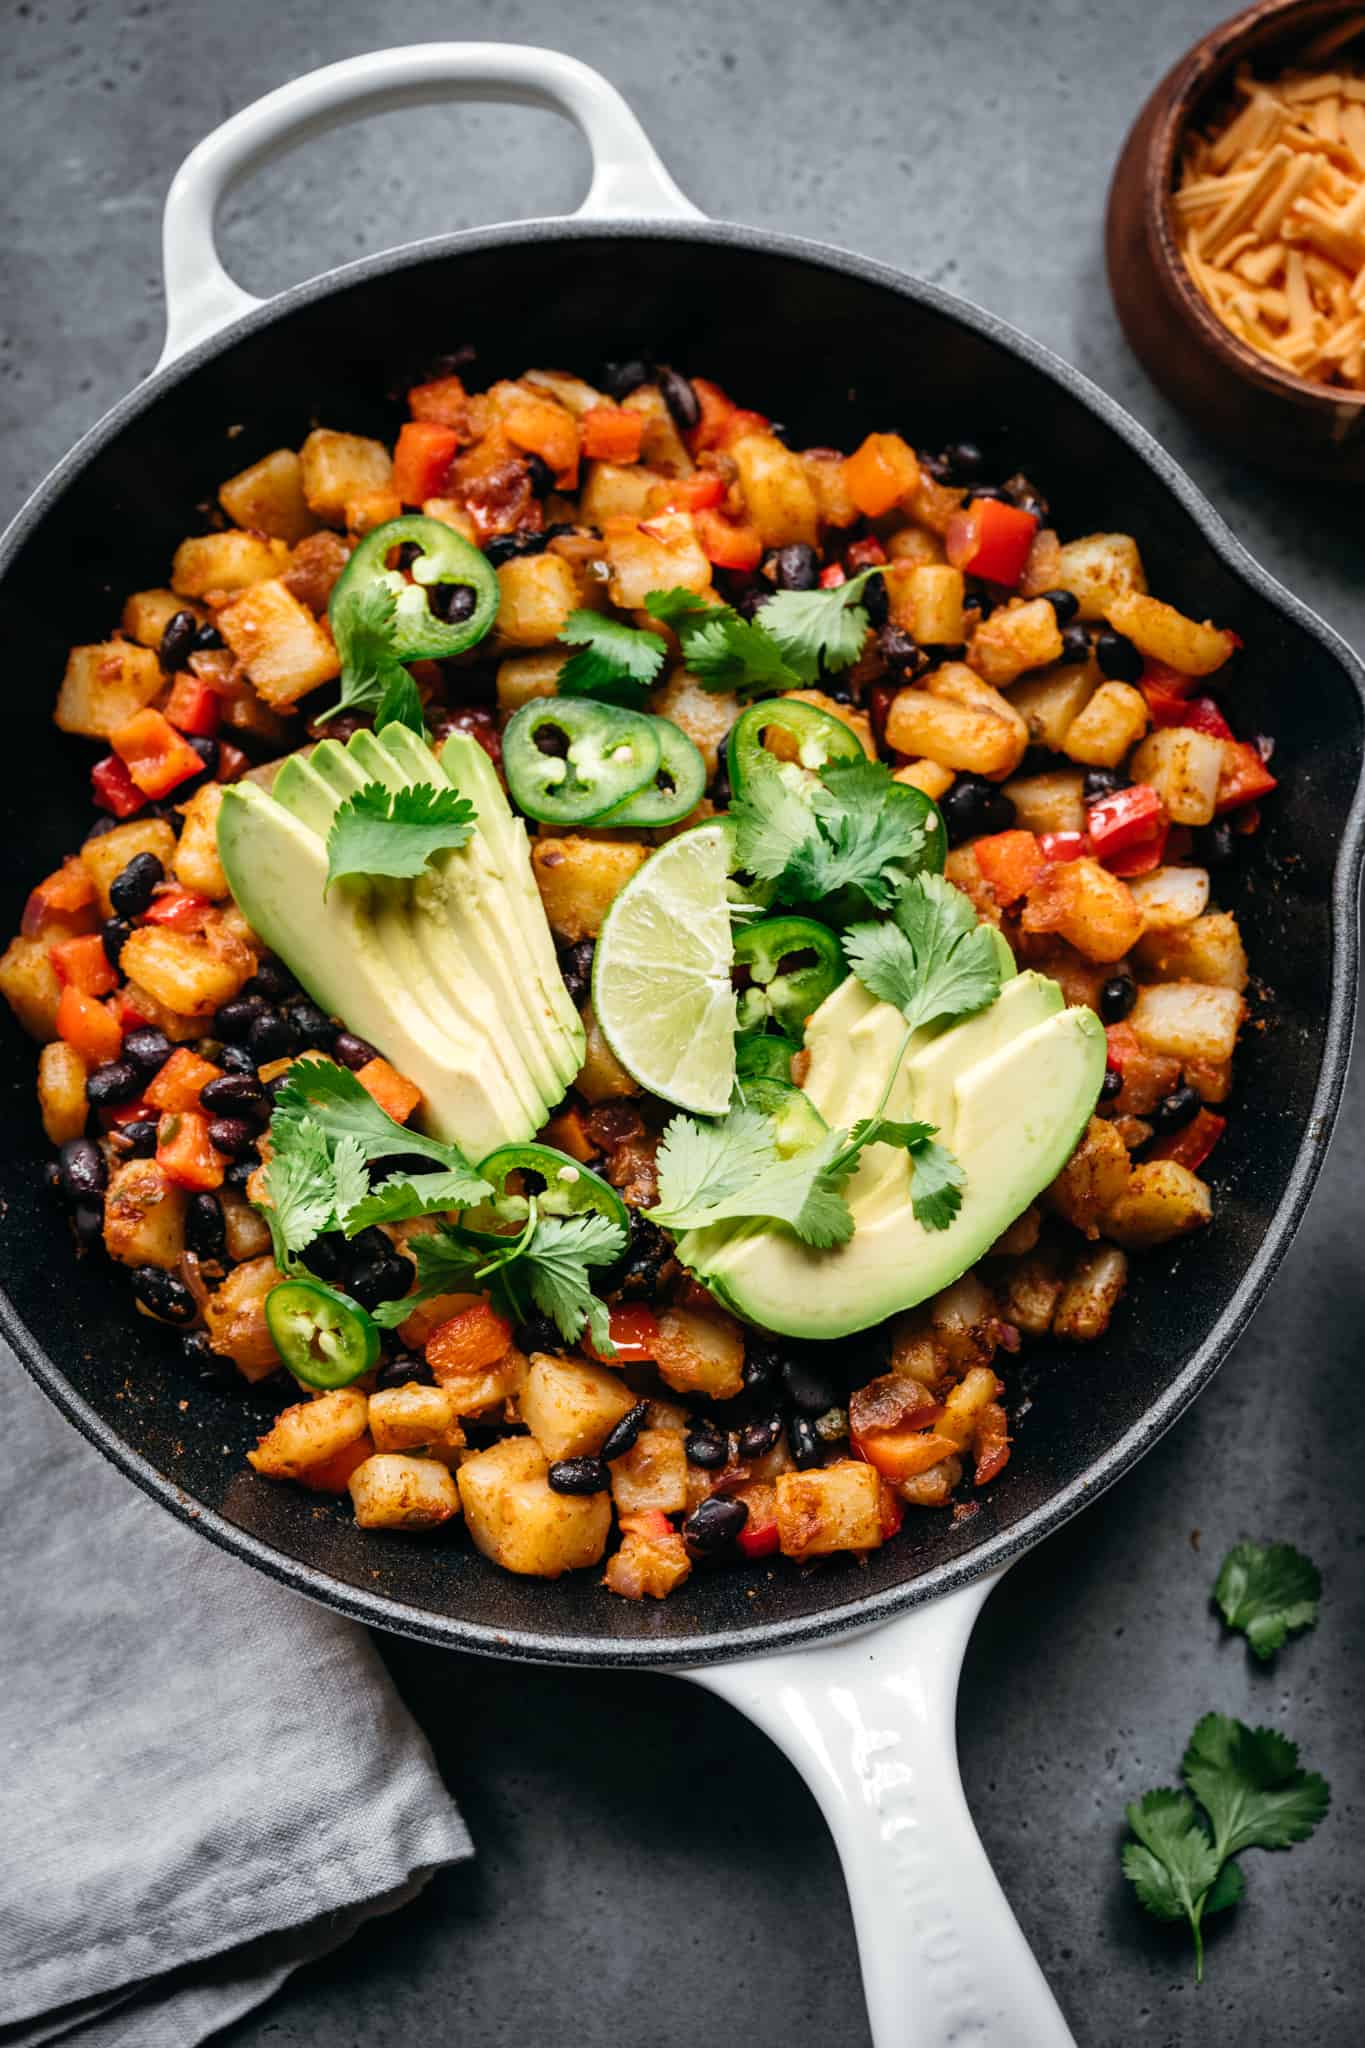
point(391, 1090)
point(539, 428)
point(66, 897)
point(157, 757)
point(83, 963)
point(716, 413)
point(611, 434)
point(422, 459)
point(1011, 862)
point(726, 544)
point(177, 1085)
point(184, 1153)
point(469, 1341)
point(84, 1023)
point(880, 474)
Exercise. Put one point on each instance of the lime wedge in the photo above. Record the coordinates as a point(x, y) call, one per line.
point(661, 974)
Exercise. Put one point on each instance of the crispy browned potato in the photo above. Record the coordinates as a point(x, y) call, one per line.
point(310, 1433)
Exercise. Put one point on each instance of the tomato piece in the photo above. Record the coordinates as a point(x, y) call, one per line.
point(881, 474)
point(194, 706)
point(85, 1024)
point(990, 539)
point(634, 1333)
point(421, 460)
point(177, 1085)
point(726, 543)
point(1011, 862)
point(157, 757)
point(1243, 777)
point(1057, 847)
point(184, 1153)
point(83, 963)
point(469, 1341)
point(394, 1093)
point(1191, 1146)
point(182, 909)
point(113, 788)
point(610, 433)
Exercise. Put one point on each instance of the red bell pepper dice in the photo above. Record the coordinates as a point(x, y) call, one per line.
point(716, 412)
point(194, 706)
point(699, 493)
point(179, 908)
point(65, 897)
point(1243, 778)
point(726, 544)
point(864, 554)
point(157, 757)
point(1191, 1146)
point(759, 1539)
point(634, 1336)
point(891, 1512)
point(832, 575)
point(991, 540)
point(1141, 859)
point(1124, 818)
point(83, 963)
point(1122, 1042)
point(114, 789)
point(1057, 847)
point(421, 460)
point(1166, 681)
point(1011, 862)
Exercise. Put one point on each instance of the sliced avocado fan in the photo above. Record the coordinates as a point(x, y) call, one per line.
point(1010, 1089)
point(451, 975)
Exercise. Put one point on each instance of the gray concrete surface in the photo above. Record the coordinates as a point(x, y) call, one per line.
point(650, 1869)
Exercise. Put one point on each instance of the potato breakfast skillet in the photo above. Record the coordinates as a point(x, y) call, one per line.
point(853, 1668)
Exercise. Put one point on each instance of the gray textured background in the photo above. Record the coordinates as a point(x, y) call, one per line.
point(650, 1869)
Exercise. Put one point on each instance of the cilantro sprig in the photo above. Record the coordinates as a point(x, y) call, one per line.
point(931, 959)
point(1251, 1794)
point(549, 1265)
point(1265, 1590)
point(616, 662)
point(855, 829)
point(819, 630)
point(720, 648)
point(372, 676)
point(381, 831)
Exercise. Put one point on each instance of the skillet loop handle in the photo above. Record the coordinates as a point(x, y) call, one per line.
point(628, 179)
point(869, 1722)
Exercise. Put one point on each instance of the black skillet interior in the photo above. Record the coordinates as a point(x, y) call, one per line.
point(833, 349)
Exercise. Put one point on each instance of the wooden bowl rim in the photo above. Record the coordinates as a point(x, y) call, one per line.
point(1197, 74)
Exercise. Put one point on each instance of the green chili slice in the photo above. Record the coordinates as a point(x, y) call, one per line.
point(433, 619)
point(570, 760)
point(797, 1123)
point(806, 740)
point(325, 1338)
point(784, 968)
point(561, 1186)
point(764, 1055)
point(677, 786)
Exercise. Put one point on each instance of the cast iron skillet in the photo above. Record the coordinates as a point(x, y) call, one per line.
point(835, 346)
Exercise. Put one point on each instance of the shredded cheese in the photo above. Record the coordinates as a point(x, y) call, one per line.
point(1269, 214)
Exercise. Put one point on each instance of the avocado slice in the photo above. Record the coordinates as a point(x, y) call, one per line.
point(1011, 1090)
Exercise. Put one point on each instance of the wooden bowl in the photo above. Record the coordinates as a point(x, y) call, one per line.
point(1267, 415)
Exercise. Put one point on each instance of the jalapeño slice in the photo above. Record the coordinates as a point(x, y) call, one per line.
point(560, 1185)
point(796, 1122)
point(448, 606)
point(784, 968)
point(325, 1338)
point(785, 733)
point(677, 786)
point(764, 1055)
point(570, 760)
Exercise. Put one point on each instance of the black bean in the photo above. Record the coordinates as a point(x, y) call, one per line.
point(1111, 1085)
point(374, 1271)
point(327, 1255)
point(538, 1333)
point(452, 602)
point(139, 1138)
point(239, 1172)
point(621, 379)
point(1027, 496)
point(706, 1446)
point(722, 796)
point(811, 1385)
point(1215, 845)
point(1076, 641)
point(578, 1475)
point(875, 599)
point(81, 1171)
point(235, 1059)
point(131, 891)
point(1117, 657)
point(996, 492)
point(313, 1025)
point(979, 594)
point(575, 965)
point(164, 1295)
point(749, 603)
point(1117, 998)
point(403, 1370)
point(147, 1048)
point(762, 1364)
point(757, 1438)
point(270, 1037)
point(679, 397)
point(177, 640)
point(637, 1271)
point(505, 547)
point(233, 1135)
point(115, 933)
point(116, 1081)
point(1065, 605)
point(804, 1443)
point(87, 1223)
point(714, 1525)
point(234, 1020)
point(795, 567)
point(206, 638)
point(623, 1437)
point(1175, 1110)
point(1102, 782)
point(239, 1095)
point(204, 1231)
point(100, 827)
point(541, 475)
point(973, 806)
point(353, 1052)
point(903, 655)
point(963, 461)
point(206, 748)
point(272, 980)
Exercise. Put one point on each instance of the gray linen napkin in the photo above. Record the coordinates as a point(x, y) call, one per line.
point(204, 1780)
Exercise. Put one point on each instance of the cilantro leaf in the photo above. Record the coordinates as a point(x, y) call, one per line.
point(931, 959)
point(1173, 1863)
point(730, 1170)
point(1266, 1590)
point(674, 607)
point(401, 704)
point(406, 1195)
point(549, 1261)
point(855, 829)
point(937, 1179)
point(700, 1164)
point(381, 831)
point(772, 824)
point(333, 1098)
point(363, 629)
point(617, 663)
point(448, 1260)
point(1249, 1782)
point(301, 1188)
point(819, 630)
point(720, 648)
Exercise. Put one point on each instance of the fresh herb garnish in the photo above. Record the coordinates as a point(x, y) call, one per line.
point(547, 1265)
point(1265, 1590)
point(855, 828)
point(617, 663)
point(1253, 1795)
point(371, 672)
point(930, 959)
point(382, 831)
point(721, 649)
point(819, 630)
point(311, 1184)
point(401, 704)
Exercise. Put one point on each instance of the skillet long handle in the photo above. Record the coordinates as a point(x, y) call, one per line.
point(628, 179)
point(868, 1720)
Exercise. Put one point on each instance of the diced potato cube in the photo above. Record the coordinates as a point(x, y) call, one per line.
point(653, 554)
point(653, 1474)
point(268, 497)
point(601, 1078)
point(1040, 570)
point(196, 864)
point(310, 1433)
point(1033, 1288)
point(911, 545)
point(144, 1216)
point(926, 598)
point(1183, 767)
point(314, 567)
point(61, 1092)
point(825, 469)
point(1019, 1237)
point(103, 687)
point(390, 1491)
point(1093, 1178)
point(952, 734)
point(1049, 705)
point(962, 1410)
point(401, 1418)
point(1054, 802)
point(704, 715)
point(652, 1565)
point(1084, 904)
point(105, 858)
point(934, 504)
point(147, 613)
point(285, 650)
point(963, 1320)
point(479, 1389)
point(183, 971)
point(578, 879)
point(963, 870)
point(246, 1231)
point(1209, 950)
point(336, 467)
point(1098, 569)
point(700, 1353)
point(926, 775)
point(836, 1508)
point(661, 445)
point(1091, 1294)
point(1016, 637)
point(613, 490)
point(226, 561)
point(234, 1317)
point(517, 1519)
point(962, 685)
point(29, 984)
point(777, 491)
point(1101, 735)
point(1162, 1200)
point(1190, 1020)
point(369, 509)
point(1163, 634)
point(538, 594)
point(1170, 896)
point(523, 677)
point(570, 1407)
point(934, 1488)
